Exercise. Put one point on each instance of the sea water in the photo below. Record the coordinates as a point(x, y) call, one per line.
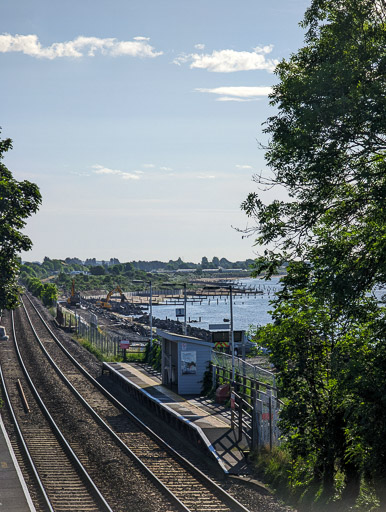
point(248, 310)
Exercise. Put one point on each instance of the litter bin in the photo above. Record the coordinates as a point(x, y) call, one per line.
point(223, 393)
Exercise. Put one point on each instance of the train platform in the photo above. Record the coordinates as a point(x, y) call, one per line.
point(14, 495)
point(208, 424)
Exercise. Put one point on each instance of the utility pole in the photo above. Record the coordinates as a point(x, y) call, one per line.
point(151, 315)
point(185, 326)
point(232, 340)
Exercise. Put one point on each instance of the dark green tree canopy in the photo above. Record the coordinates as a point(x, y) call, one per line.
point(327, 340)
point(18, 201)
point(328, 143)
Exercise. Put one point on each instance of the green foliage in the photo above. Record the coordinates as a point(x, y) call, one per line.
point(47, 292)
point(90, 348)
point(97, 271)
point(18, 201)
point(288, 476)
point(153, 355)
point(327, 149)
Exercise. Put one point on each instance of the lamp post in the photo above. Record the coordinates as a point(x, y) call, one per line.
point(140, 281)
point(231, 333)
point(185, 328)
point(232, 336)
point(151, 315)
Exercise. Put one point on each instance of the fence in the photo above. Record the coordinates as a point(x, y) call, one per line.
point(107, 343)
point(243, 368)
point(254, 403)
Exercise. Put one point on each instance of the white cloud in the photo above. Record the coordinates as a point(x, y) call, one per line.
point(166, 168)
point(100, 169)
point(183, 58)
point(75, 173)
point(199, 46)
point(238, 93)
point(148, 166)
point(230, 98)
point(79, 47)
point(206, 177)
point(238, 166)
point(228, 61)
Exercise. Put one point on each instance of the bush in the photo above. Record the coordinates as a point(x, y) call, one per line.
point(153, 355)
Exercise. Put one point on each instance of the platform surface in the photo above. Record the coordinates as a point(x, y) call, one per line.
point(14, 496)
point(213, 420)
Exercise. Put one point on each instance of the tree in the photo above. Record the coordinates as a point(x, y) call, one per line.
point(309, 341)
point(215, 262)
point(327, 149)
point(99, 270)
point(18, 201)
point(204, 262)
point(328, 145)
point(49, 294)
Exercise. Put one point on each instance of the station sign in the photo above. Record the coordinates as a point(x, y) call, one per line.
point(219, 327)
point(223, 336)
point(124, 344)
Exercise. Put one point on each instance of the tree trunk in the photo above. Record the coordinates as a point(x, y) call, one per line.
point(352, 484)
point(380, 489)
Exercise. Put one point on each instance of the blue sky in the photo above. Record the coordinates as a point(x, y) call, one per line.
point(139, 120)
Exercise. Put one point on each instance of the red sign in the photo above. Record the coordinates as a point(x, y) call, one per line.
point(124, 344)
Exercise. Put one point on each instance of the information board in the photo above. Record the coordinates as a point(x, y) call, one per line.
point(188, 362)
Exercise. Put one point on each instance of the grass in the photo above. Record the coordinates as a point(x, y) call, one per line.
point(101, 356)
point(292, 481)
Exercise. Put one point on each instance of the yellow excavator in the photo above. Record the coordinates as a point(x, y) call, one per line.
point(106, 302)
point(74, 299)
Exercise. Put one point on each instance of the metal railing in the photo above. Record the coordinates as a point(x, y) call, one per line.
point(247, 370)
point(254, 404)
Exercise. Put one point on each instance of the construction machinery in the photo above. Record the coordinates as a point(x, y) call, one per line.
point(106, 302)
point(74, 299)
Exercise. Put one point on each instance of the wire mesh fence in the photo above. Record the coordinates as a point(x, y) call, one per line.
point(244, 369)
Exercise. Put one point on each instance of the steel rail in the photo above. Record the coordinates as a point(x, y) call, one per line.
point(86, 477)
point(96, 416)
point(24, 444)
point(234, 505)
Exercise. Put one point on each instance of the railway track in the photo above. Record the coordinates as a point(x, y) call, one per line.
point(61, 483)
point(186, 487)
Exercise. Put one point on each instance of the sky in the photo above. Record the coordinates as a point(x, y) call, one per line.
point(140, 120)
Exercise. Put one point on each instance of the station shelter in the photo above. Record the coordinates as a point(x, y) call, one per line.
point(184, 362)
